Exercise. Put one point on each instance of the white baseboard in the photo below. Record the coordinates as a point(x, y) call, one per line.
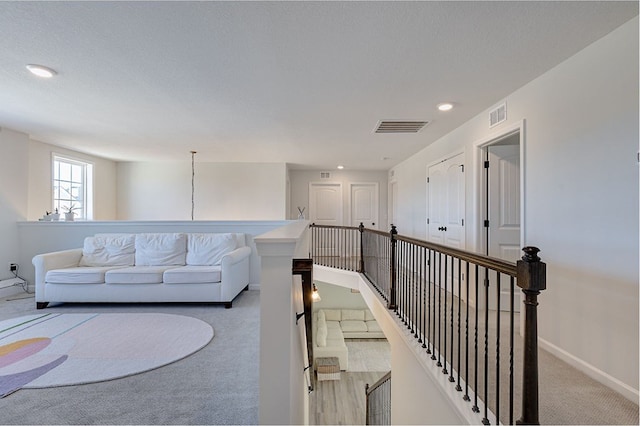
point(255, 286)
point(595, 373)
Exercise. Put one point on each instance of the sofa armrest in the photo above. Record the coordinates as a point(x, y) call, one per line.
point(236, 256)
point(235, 273)
point(54, 260)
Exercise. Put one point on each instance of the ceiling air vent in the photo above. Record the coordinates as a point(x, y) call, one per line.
point(498, 115)
point(325, 175)
point(389, 126)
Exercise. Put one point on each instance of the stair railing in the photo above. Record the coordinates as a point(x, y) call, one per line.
point(378, 401)
point(454, 303)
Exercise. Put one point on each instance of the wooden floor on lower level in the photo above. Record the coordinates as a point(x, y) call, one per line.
point(341, 402)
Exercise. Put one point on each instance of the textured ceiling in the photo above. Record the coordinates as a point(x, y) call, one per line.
point(299, 82)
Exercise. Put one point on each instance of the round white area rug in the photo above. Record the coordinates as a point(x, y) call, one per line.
point(47, 350)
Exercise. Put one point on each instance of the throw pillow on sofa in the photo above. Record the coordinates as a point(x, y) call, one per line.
point(161, 249)
point(208, 249)
point(108, 250)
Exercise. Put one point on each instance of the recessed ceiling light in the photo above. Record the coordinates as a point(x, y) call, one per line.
point(41, 71)
point(340, 167)
point(445, 106)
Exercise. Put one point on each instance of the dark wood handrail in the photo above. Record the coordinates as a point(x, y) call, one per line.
point(502, 266)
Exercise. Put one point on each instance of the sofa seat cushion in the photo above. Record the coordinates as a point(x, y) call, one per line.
point(353, 326)
point(79, 275)
point(334, 326)
point(136, 275)
point(373, 326)
point(193, 274)
point(333, 343)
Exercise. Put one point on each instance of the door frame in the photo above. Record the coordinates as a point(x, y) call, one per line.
point(480, 195)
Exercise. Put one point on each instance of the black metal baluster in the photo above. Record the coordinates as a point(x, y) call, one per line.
point(511, 332)
point(458, 387)
point(429, 309)
point(439, 364)
point(485, 419)
point(497, 347)
point(466, 339)
point(424, 296)
point(420, 296)
point(446, 291)
point(451, 378)
point(475, 407)
point(416, 292)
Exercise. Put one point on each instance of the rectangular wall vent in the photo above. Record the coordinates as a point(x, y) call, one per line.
point(498, 115)
point(389, 126)
point(325, 175)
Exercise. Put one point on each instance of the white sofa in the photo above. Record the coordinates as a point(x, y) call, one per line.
point(153, 267)
point(330, 327)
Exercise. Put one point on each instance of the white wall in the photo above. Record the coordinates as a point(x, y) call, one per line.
point(581, 201)
point(300, 180)
point(334, 296)
point(14, 174)
point(223, 191)
point(40, 175)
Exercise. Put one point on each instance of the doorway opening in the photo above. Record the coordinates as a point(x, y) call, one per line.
point(501, 194)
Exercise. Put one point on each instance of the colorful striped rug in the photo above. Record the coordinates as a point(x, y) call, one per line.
point(47, 350)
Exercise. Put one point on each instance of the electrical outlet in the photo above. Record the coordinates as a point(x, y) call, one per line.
point(13, 267)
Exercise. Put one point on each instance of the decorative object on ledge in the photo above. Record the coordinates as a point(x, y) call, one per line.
point(301, 213)
point(55, 216)
point(69, 214)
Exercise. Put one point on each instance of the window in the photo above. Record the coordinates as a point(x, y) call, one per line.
point(72, 186)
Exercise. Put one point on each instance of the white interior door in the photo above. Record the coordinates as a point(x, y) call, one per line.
point(365, 204)
point(445, 217)
point(325, 208)
point(325, 203)
point(503, 233)
point(446, 199)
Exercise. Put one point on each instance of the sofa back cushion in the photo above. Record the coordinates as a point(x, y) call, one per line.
point(208, 249)
point(333, 314)
point(322, 331)
point(159, 249)
point(352, 315)
point(108, 250)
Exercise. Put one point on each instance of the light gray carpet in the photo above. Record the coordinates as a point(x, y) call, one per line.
point(216, 385)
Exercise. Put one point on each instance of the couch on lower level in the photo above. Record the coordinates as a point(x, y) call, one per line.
point(151, 267)
point(332, 326)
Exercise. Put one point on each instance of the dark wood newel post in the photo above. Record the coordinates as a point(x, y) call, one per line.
point(361, 229)
point(532, 280)
point(304, 268)
point(392, 291)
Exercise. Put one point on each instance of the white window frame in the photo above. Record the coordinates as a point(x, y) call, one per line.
point(84, 208)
